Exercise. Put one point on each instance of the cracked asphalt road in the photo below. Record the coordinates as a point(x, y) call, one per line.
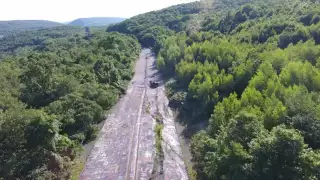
point(125, 148)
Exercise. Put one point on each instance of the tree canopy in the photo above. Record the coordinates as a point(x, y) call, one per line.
point(55, 88)
point(11, 27)
point(250, 68)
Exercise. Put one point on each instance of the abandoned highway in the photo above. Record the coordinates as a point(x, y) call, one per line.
point(126, 146)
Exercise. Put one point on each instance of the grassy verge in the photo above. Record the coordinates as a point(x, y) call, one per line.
point(77, 168)
point(191, 172)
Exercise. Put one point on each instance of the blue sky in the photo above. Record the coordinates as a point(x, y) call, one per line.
point(67, 10)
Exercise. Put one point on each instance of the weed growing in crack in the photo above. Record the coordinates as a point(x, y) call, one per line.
point(148, 108)
point(158, 161)
point(158, 131)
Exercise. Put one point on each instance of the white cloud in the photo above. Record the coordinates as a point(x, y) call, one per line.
point(66, 10)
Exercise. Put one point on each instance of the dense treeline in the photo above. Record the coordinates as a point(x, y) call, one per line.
point(150, 27)
point(53, 96)
point(10, 27)
point(19, 43)
point(252, 71)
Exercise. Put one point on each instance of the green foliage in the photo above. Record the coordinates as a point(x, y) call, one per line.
point(28, 39)
point(54, 94)
point(158, 131)
point(76, 115)
point(252, 72)
point(149, 27)
point(282, 154)
point(9, 27)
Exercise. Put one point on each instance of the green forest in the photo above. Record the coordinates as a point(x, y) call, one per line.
point(55, 88)
point(15, 26)
point(250, 70)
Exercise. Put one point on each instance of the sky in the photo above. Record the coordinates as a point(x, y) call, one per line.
point(68, 10)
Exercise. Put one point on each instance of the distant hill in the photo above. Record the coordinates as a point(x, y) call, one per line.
point(9, 27)
point(96, 21)
point(11, 42)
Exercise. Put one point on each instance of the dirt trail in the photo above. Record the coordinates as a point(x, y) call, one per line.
point(125, 148)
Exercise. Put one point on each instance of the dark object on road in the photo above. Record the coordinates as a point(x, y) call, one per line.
point(154, 84)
